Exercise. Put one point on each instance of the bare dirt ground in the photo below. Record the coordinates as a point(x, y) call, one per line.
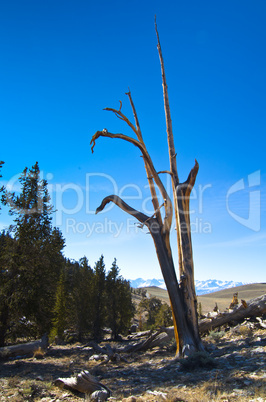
point(235, 371)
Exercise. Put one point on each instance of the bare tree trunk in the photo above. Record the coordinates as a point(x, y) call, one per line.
point(183, 296)
point(181, 194)
point(186, 342)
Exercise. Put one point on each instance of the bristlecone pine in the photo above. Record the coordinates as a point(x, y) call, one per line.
point(182, 293)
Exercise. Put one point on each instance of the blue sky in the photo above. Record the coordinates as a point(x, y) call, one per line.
point(62, 62)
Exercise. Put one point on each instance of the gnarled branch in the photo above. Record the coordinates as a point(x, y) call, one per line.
point(168, 204)
point(124, 206)
point(110, 135)
point(121, 116)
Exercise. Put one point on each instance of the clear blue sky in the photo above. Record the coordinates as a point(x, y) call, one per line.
point(62, 62)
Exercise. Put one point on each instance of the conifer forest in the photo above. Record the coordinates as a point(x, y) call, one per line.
point(41, 291)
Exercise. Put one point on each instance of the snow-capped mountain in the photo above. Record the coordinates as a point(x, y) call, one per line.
point(142, 283)
point(214, 285)
point(202, 287)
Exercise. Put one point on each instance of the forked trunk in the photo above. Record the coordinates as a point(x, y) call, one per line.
point(182, 296)
point(181, 207)
point(187, 284)
point(186, 340)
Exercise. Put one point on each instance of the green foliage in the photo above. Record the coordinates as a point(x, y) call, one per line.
point(120, 309)
point(159, 313)
point(7, 283)
point(82, 298)
point(216, 335)
point(99, 298)
point(198, 360)
point(60, 309)
point(41, 291)
point(33, 259)
point(164, 316)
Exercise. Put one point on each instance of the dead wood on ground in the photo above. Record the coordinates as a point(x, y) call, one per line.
point(85, 383)
point(24, 349)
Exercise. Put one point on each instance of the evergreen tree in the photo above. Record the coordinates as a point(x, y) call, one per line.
point(120, 308)
point(126, 305)
point(112, 299)
point(7, 284)
point(164, 316)
point(99, 304)
point(37, 259)
point(82, 298)
point(60, 308)
point(152, 306)
point(159, 313)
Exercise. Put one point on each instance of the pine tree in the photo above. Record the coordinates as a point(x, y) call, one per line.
point(164, 317)
point(120, 309)
point(60, 309)
point(152, 306)
point(82, 298)
point(37, 257)
point(7, 284)
point(99, 305)
point(112, 299)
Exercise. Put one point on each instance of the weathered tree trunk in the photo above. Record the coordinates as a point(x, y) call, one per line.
point(181, 192)
point(182, 296)
point(84, 382)
point(155, 339)
point(186, 342)
point(24, 349)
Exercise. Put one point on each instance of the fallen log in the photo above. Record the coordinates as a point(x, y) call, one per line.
point(262, 324)
point(85, 383)
point(255, 308)
point(156, 339)
point(137, 335)
point(24, 349)
point(108, 352)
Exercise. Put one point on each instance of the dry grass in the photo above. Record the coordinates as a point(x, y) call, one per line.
point(223, 298)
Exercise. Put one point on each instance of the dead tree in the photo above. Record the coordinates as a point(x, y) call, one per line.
point(182, 293)
point(85, 383)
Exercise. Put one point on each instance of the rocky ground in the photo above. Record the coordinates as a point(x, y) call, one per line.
point(233, 370)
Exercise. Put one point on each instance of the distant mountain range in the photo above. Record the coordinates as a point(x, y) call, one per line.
point(202, 287)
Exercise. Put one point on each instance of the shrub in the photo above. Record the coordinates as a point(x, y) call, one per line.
point(198, 360)
point(216, 335)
